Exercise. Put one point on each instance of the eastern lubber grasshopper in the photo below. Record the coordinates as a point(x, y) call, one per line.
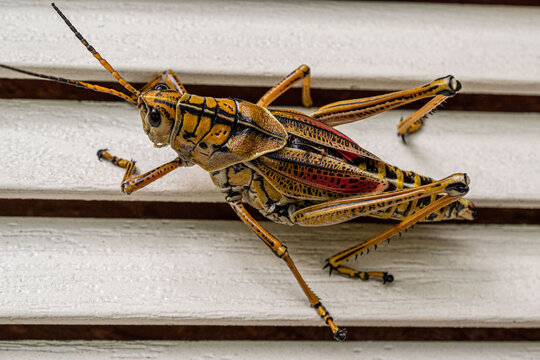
point(291, 167)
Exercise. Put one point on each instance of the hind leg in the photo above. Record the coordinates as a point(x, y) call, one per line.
point(340, 210)
point(301, 73)
point(344, 112)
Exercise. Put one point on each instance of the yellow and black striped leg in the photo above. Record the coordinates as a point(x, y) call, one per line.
point(301, 73)
point(167, 78)
point(280, 251)
point(132, 183)
point(414, 122)
point(336, 260)
point(340, 210)
point(344, 112)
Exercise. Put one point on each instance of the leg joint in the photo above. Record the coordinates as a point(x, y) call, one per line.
point(281, 251)
point(233, 197)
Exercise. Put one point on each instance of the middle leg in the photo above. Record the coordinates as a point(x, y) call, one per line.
point(281, 251)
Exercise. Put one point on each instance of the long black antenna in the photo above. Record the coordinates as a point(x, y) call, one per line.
point(77, 83)
point(97, 55)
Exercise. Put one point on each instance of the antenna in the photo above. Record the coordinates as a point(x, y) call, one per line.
point(77, 83)
point(97, 55)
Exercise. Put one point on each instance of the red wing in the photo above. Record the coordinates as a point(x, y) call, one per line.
point(323, 172)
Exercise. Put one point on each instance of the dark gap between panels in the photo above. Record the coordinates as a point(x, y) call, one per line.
point(186, 332)
point(482, 2)
point(204, 211)
point(42, 89)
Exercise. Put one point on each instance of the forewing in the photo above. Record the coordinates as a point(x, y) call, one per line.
point(289, 186)
point(303, 126)
point(317, 171)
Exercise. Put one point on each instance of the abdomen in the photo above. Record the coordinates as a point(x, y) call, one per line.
point(400, 179)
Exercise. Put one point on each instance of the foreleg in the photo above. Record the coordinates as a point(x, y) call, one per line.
point(132, 183)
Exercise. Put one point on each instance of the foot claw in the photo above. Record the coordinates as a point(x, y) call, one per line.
point(340, 334)
point(387, 278)
point(330, 267)
point(100, 153)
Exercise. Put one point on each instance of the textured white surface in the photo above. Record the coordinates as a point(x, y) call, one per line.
point(49, 151)
point(366, 45)
point(211, 350)
point(87, 271)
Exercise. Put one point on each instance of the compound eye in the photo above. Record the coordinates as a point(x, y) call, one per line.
point(161, 87)
point(154, 118)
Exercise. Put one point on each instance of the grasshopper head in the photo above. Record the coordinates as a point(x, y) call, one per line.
point(158, 113)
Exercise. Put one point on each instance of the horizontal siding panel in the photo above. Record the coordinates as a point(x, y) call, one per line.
point(356, 45)
point(187, 272)
point(89, 271)
point(50, 149)
point(97, 350)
